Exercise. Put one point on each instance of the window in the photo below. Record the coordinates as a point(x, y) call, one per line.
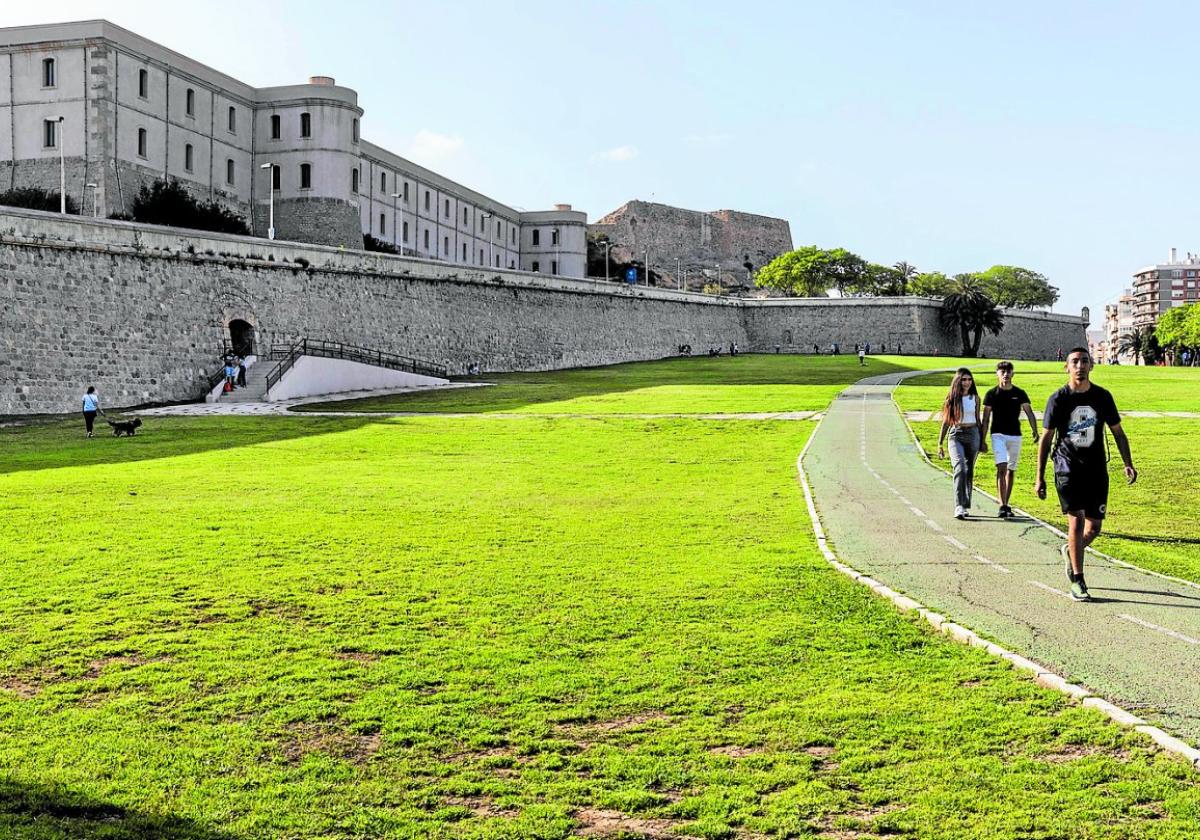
point(426, 239)
point(446, 246)
point(481, 256)
point(513, 232)
point(537, 237)
point(537, 266)
point(143, 83)
point(50, 134)
point(466, 218)
point(49, 73)
point(229, 171)
point(426, 199)
point(447, 213)
point(382, 223)
point(275, 127)
point(189, 102)
point(275, 176)
point(354, 130)
point(464, 252)
point(306, 124)
point(232, 120)
point(512, 263)
point(141, 142)
point(497, 261)
point(554, 266)
point(554, 237)
point(404, 232)
point(306, 176)
point(406, 192)
point(383, 182)
point(188, 157)
point(498, 236)
point(354, 179)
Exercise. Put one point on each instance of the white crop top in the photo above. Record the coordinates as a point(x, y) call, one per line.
point(968, 411)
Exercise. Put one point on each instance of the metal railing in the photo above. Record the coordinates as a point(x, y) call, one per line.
point(288, 355)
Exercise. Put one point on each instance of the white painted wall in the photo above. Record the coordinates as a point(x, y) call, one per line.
point(313, 376)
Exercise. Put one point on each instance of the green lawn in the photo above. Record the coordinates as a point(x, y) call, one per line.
point(703, 385)
point(1135, 388)
point(429, 627)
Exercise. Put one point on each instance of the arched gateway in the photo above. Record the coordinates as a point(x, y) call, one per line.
point(241, 337)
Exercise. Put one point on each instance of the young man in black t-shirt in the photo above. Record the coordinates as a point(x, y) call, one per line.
point(1002, 406)
point(1074, 423)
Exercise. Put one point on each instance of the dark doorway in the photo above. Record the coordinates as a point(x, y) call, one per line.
point(241, 337)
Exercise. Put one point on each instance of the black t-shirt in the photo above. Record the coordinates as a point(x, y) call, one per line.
point(1006, 409)
point(1077, 419)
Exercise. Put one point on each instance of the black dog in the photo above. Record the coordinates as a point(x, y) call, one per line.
point(125, 427)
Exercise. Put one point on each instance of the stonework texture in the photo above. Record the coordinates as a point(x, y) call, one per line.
point(321, 221)
point(142, 313)
point(697, 242)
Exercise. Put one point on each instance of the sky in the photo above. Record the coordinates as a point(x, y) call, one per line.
point(954, 136)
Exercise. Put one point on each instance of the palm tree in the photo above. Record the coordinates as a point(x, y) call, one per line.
point(1136, 344)
point(969, 311)
point(907, 272)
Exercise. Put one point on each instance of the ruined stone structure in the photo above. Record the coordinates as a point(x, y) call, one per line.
point(142, 312)
point(117, 111)
point(723, 246)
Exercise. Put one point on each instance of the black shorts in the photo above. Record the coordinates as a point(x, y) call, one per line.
point(1087, 492)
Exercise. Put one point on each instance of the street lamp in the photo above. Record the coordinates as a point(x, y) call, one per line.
point(95, 188)
point(62, 170)
point(270, 199)
point(397, 221)
point(607, 243)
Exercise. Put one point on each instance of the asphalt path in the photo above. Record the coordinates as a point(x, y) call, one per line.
point(889, 514)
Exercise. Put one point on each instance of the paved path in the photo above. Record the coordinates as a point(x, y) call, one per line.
point(890, 515)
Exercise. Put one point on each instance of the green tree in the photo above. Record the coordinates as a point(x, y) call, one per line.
point(881, 280)
point(1178, 329)
point(1138, 343)
point(907, 273)
point(167, 202)
point(969, 310)
point(1020, 288)
point(811, 271)
point(32, 198)
point(930, 284)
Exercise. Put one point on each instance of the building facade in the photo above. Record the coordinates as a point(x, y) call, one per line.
point(1118, 323)
point(1157, 288)
point(115, 111)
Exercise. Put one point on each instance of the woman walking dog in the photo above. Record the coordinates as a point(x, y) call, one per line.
point(961, 422)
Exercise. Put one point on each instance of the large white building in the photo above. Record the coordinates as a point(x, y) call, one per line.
point(1118, 323)
point(1157, 288)
point(122, 111)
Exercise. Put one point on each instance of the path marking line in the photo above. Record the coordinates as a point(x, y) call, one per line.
point(1172, 633)
point(1049, 588)
point(934, 525)
point(955, 542)
point(992, 563)
point(917, 512)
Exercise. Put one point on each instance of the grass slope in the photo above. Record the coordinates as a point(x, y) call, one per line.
point(315, 627)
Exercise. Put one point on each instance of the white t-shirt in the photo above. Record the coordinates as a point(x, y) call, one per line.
point(968, 411)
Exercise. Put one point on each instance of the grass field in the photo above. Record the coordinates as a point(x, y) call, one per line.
point(530, 627)
point(1151, 523)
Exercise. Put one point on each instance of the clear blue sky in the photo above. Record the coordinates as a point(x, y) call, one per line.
point(1057, 136)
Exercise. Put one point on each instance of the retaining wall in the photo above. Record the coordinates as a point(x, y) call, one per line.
point(141, 312)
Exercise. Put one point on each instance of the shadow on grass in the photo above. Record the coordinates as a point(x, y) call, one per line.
point(37, 811)
point(513, 391)
point(45, 446)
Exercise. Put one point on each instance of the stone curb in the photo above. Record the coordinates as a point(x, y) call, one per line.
point(1041, 674)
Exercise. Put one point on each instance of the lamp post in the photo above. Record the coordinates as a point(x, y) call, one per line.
point(487, 217)
point(397, 221)
point(270, 199)
point(648, 265)
point(607, 247)
point(95, 188)
point(62, 170)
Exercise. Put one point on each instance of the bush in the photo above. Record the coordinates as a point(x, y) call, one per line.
point(168, 203)
point(31, 198)
point(370, 243)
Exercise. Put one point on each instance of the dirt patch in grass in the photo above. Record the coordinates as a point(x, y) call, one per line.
point(735, 751)
point(357, 656)
point(597, 823)
point(1062, 753)
point(33, 682)
point(481, 806)
point(330, 737)
point(590, 732)
point(855, 823)
point(25, 687)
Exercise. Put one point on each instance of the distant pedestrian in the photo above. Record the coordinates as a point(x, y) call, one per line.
point(862, 356)
point(230, 375)
point(240, 361)
point(961, 420)
point(837, 351)
point(1002, 407)
point(776, 349)
point(897, 348)
point(816, 350)
point(867, 347)
point(91, 405)
point(1073, 426)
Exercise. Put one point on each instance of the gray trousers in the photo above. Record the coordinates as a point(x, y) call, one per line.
point(964, 449)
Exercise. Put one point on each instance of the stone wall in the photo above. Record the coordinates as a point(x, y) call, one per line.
point(142, 312)
point(324, 221)
point(697, 242)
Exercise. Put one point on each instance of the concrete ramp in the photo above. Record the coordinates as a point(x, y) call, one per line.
point(314, 376)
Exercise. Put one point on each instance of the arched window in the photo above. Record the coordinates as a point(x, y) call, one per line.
point(306, 176)
point(354, 179)
point(189, 102)
point(141, 142)
point(232, 120)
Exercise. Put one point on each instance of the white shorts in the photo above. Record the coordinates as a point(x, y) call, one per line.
point(1007, 449)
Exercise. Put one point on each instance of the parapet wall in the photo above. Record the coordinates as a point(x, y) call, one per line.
point(142, 312)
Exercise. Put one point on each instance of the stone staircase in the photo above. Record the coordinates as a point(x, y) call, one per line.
point(256, 384)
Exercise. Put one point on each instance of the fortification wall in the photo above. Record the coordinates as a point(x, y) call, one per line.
point(142, 312)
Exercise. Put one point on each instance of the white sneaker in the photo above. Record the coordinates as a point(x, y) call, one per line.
point(960, 512)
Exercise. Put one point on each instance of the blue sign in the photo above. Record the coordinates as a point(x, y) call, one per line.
point(631, 275)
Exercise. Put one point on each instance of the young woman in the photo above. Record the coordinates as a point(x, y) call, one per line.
point(961, 420)
point(91, 405)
